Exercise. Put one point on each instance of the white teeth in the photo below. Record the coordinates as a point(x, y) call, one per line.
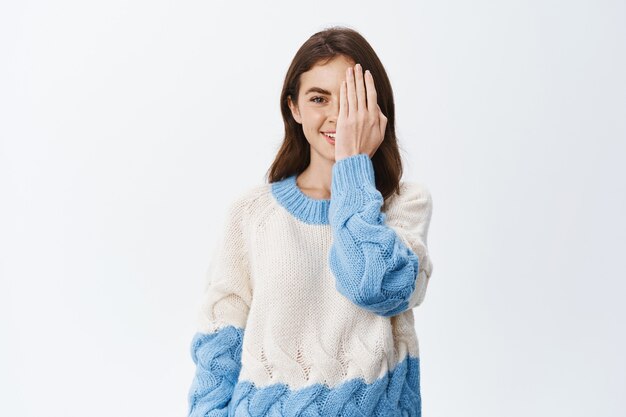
point(332, 135)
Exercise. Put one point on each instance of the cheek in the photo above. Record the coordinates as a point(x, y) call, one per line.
point(312, 117)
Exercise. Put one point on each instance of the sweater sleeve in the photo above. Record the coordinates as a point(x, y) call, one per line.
point(216, 346)
point(380, 260)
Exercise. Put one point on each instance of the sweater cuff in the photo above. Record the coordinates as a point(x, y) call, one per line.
point(353, 173)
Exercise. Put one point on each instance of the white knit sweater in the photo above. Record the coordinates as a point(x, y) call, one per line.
point(308, 305)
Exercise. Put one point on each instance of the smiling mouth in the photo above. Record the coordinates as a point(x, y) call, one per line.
point(331, 140)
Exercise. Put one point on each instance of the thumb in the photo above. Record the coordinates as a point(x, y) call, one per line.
point(382, 122)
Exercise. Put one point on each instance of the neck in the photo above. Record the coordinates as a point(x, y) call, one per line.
point(317, 177)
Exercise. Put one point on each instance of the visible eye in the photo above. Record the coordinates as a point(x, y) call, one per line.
point(315, 98)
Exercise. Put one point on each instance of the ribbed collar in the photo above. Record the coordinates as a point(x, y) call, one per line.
point(309, 210)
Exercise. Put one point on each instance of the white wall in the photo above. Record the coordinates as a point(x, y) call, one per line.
point(126, 128)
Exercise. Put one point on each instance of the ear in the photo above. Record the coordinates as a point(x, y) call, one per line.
point(295, 112)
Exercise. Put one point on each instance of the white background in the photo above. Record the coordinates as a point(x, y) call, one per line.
point(127, 127)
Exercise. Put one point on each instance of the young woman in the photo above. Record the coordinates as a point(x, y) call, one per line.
point(308, 308)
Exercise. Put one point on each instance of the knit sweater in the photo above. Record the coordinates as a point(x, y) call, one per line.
point(308, 305)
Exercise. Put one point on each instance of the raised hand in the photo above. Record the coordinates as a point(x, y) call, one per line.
point(361, 124)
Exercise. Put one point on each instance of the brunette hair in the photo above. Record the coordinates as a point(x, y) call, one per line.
point(294, 156)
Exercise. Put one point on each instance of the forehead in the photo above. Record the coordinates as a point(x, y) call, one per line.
point(327, 76)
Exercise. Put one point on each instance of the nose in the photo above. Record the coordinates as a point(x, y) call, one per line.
point(333, 110)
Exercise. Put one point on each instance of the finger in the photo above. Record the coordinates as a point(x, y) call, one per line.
point(360, 88)
point(343, 101)
point(352, 103)
point(372, 97)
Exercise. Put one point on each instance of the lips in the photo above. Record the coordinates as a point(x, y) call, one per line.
point(329, 139)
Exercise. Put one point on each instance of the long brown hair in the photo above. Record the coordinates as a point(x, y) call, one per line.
point(294, 156)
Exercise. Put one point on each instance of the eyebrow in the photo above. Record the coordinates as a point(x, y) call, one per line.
point(317, 90)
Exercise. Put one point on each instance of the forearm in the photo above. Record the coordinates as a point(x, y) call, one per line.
point(372, 265)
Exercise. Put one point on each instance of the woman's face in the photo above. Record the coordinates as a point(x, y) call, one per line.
point(318, 104)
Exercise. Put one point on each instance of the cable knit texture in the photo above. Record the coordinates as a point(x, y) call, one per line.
point(218, 362)
point(374, 268)
point(308, 305)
